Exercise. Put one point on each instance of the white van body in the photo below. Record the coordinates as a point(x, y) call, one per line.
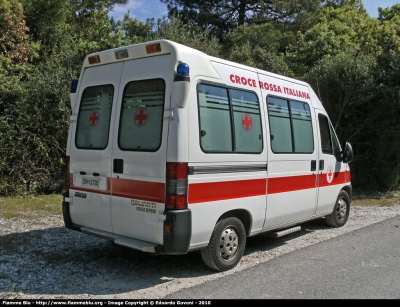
point(171, 150)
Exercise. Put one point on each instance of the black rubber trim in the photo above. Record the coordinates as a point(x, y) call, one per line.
point(66, 215)
point(177, 241)
point(227, 169)
point(182, 78)
point(350, 187)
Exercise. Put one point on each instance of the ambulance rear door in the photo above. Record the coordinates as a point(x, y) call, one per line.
point(91, 147)
point(140, 149)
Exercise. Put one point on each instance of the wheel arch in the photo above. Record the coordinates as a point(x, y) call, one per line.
point(348, 189)
point(243, 215)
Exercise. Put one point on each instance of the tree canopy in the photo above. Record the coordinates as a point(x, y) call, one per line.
point(351, 60)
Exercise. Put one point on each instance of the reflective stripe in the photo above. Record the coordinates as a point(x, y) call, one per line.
point(213, 191)
point(143, 190)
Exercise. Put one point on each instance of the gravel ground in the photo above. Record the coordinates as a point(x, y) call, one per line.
point(40, 258)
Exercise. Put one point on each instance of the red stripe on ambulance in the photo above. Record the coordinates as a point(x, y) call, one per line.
point(293, 183)
point(143, 190)
point(213, 191)
point(338, 178)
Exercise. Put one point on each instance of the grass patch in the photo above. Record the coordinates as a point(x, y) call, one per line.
point(30, 206)
point(362, 198)
point(45, 205)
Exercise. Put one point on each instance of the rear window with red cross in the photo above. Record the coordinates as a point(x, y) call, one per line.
point(94, 117)
point(142, 113)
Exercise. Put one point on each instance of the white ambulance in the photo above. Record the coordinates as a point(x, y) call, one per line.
point(171, 151)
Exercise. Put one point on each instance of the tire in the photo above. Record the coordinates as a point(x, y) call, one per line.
point(226, 246)
point(340, 212)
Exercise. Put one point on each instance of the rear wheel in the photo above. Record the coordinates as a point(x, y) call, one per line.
point(340, 212)
point(226, 246)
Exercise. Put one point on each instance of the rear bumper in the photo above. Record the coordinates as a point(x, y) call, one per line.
point(175, 242)
point(177, 239)
point(66, 215)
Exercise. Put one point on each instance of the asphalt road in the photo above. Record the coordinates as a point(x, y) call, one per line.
point(363, 264)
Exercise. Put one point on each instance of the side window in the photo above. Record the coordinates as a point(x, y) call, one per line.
point(336, 146)
point(290, 126)
point(230, 120)
point(93, 124)
point(247, 121)
point(302, 127)
point(279, 121)
point(326, 141)
point(142, 112)
point(215, 119)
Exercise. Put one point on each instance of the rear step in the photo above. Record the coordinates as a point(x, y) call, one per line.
point(284, 232)
point(121, 240)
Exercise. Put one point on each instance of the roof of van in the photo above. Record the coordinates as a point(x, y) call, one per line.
point(163, 46)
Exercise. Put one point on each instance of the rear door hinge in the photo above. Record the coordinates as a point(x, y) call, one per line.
point(169, 114)
point(162, 216)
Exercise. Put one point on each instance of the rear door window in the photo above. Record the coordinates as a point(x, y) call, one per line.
point(94, 117)
point(142, 115)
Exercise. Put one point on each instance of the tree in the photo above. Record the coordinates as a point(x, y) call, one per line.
point(186, 34)
point(339, 29)
point(389, 13)
point(134, 30)
point(14, 43)
point(221, 17)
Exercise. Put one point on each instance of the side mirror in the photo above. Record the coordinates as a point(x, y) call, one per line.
point(347, 153)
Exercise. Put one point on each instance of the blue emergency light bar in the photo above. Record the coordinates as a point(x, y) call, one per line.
point(182, 72)
point(74, 85)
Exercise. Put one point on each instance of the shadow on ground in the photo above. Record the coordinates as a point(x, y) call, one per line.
point(58, 261)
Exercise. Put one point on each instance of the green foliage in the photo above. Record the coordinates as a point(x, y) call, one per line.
point(34, 127)
point(389, 13)
point(186, 34)
point(362, 99)
point(14, 42)
point(134, 30)
point(222, 17)
point(259, 46)
point(351, 60)
point(337, 30)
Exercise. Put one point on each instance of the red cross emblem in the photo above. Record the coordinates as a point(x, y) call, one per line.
point(94, 118)
point(141, 117)
point(329, 174)
point(247, 122)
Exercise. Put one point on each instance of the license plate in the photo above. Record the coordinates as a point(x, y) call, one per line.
point(90, 182)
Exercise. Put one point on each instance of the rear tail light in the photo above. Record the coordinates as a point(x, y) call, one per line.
point(67, 176)
point(177, 182)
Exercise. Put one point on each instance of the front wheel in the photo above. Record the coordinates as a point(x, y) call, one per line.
point(226, 246)
point(340, 212)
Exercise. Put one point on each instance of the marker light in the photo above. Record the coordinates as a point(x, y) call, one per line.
point(153, 48)
point(182, 72)
point(95, 59)
point(121, 54)
point(74, 85)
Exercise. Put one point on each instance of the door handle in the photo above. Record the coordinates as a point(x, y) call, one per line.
point(118, 166)
point(313, 165)
point(321, 165)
